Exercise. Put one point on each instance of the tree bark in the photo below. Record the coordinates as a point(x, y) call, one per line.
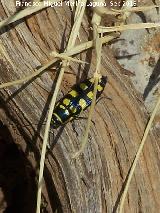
point(93, 182)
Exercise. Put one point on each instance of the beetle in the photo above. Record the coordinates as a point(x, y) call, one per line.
point(76, 101)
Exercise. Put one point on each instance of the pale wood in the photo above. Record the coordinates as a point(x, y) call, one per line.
point(94, 182)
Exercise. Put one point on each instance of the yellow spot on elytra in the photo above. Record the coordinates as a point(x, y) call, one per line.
point(99, 88)
point(83, 86)
point(73, 109)
point(62, 107)
point(90, 95)
point(66, 101)
point(82, 103)
point(73, 93)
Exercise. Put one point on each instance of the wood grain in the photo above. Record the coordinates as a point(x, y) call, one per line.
point(94, 182)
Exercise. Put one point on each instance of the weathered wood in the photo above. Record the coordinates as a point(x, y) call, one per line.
point(92, 183)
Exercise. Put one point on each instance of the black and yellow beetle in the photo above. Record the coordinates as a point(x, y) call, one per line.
point(76, 101)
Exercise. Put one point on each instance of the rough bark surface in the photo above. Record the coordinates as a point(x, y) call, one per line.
point(93, 182)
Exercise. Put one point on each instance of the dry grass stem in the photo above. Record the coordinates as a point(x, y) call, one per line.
point(29, 77)
point(24, 13)
point(125, 14)
point(128, 27)
point(45, 139)
point(71, 43)
point(96, 19)
point(85, 138)
point(148, 127)
point(72, 51)
point(65, 57)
